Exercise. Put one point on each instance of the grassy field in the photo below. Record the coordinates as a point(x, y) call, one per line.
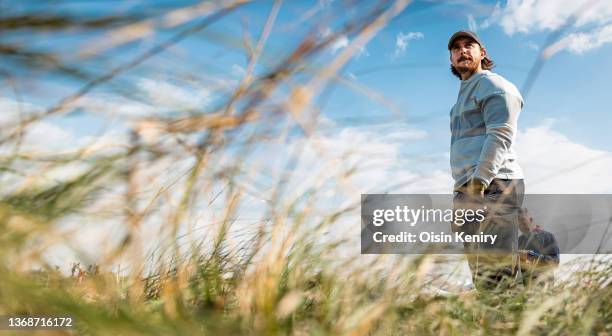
point(160, 201)
point(302, 289)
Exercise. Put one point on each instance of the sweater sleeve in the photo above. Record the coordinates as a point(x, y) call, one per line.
point(500, 113)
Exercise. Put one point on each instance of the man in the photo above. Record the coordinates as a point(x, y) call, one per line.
point(484, 166)
point(539, 251)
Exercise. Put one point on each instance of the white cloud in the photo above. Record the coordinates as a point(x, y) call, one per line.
point(579, 43)
point(546, 15)
point(160, 98)
point(402, 40)
point(552, 162)
point(378, 154)
point(474, 26)
point(237, 70)
point(555, 164)
point(528, 16)
point(109, 105)
point(472, 23)
point(157, 97)
point(166, 94)
point(340, 43)
point(343, 42)
point(42, 136)
point(495, 14)
point(12, 110)
point(46, 136)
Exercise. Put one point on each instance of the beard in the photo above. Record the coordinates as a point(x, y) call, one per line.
point(466, 65)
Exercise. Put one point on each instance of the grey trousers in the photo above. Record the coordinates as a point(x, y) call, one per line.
point(493, 265)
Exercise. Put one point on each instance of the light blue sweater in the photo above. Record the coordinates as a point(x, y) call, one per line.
point(483, 128)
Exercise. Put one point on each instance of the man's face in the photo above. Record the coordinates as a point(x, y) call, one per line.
point(525, 221)
point(466, 55)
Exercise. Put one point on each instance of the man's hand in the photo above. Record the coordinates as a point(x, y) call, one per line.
point(524, 254)
point(476, 187)
point(525, 258)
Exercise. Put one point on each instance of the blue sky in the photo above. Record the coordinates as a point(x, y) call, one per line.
point(406, 63)
point(563, 141)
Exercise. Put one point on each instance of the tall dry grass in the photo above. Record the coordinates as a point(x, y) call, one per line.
point(160, 200)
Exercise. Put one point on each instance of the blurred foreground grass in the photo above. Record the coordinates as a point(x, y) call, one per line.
point(299, 290)
point(277, 275)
